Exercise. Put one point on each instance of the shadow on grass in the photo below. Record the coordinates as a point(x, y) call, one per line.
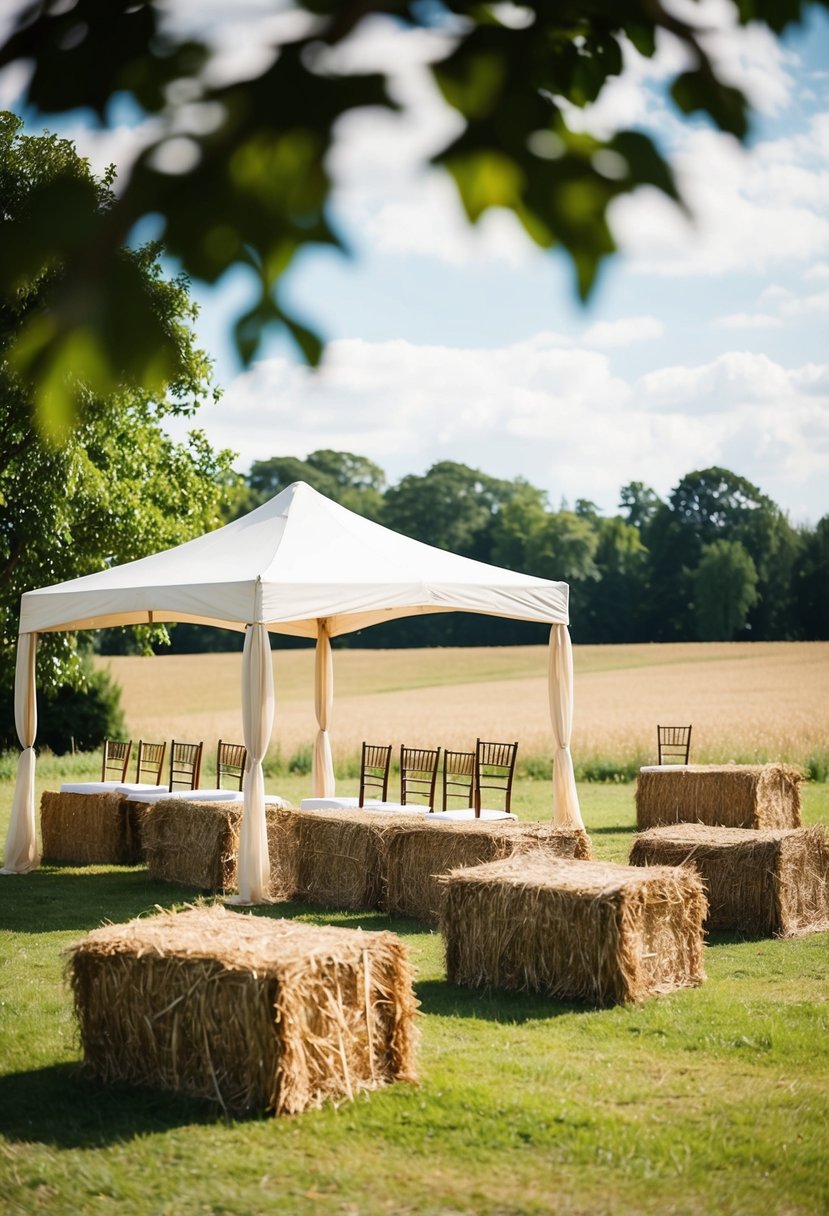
point(53, 900)
point(61, 1106)
point(443, 999)
point(615, 830)
point(62, 899)
point(341, 918)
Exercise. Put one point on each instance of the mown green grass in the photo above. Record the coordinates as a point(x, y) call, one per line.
point(708, 1100)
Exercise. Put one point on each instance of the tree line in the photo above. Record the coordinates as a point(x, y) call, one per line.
point(717, 560)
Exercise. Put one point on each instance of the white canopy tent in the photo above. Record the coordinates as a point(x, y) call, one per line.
point(300, 564)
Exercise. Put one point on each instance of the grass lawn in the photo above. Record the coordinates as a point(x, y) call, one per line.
point(708, 1100)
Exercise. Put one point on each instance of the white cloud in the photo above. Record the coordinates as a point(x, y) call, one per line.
point(546, 409)
point(816, 303)
point(745, 320)
point(753, 209)
point(623, 332)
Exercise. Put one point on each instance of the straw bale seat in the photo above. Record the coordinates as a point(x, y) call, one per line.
point(416, 856)
point(196, 844)
point(252, 1013)
point(575, 930)
point(89, 829)
point(336, 858)
point(721, 795)
point(759, 882)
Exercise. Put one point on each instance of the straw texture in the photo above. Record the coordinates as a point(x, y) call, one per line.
point(733, 796)
point(575, 930)
point(252, 1013)
point(417, 856)
point(89, 829)
point(197, 844)
point(762, 883)
point(336, 858)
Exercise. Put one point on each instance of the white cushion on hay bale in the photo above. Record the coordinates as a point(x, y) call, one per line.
point(467, 814)
point(92, 787)
point(158, 794)
point(353, 804)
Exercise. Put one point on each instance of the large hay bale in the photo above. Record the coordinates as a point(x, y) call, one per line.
point(88, 829)
point(760, 882)
point(575, 930)
point(729, 795)
point(336, 858)
point(197, 844)
point(417, 856)
point(253, 1013)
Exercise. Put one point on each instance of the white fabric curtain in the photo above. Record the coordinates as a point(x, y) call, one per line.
point(323, 766)
point(20, 853)
point(257, 723)
point(566, 812)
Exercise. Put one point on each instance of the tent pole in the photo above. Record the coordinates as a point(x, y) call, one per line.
point(20, 853)
point(257, 723)
point(323, 767)
point(566, 811)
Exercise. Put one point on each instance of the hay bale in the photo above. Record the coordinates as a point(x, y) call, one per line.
point(731, 795)
point(197, 844)
point(252, 1013)
point(336, 858)
point(88, 829)
point(193, 843)
point(575, 930)
point(759, 882)
point(417, 856)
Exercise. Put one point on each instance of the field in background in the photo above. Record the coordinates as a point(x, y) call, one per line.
point(747, 701)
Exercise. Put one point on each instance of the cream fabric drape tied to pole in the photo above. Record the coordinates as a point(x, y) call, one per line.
point(257, 724)
point(566, 812)
point(20, 853)
point(323, 766)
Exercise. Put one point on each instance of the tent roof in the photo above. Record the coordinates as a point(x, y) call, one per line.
point(296, 559)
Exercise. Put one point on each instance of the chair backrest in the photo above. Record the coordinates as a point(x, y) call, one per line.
point(673, 744)
point(418, 775)
point(116, 759)
point(150, 762)
point(458, 777)
point(494, 771)
point(231, 759)
point(375, 761)
point(185, 764)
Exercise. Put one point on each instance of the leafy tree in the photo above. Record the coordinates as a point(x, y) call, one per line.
point(80, 719)
point(520, 517)
point(712, 503)
point(810, 583)
point(354, 481)
point(613, 603)
point(114, 487)
point(709, 505)
point(639, 504)
point(238, 171)
point(564, 547)
point(725, 588)
point(451, 506)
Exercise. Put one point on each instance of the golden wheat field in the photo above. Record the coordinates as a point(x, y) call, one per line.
point(747, 701)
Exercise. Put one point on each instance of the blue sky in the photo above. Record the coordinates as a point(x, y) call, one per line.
point(703, 344)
